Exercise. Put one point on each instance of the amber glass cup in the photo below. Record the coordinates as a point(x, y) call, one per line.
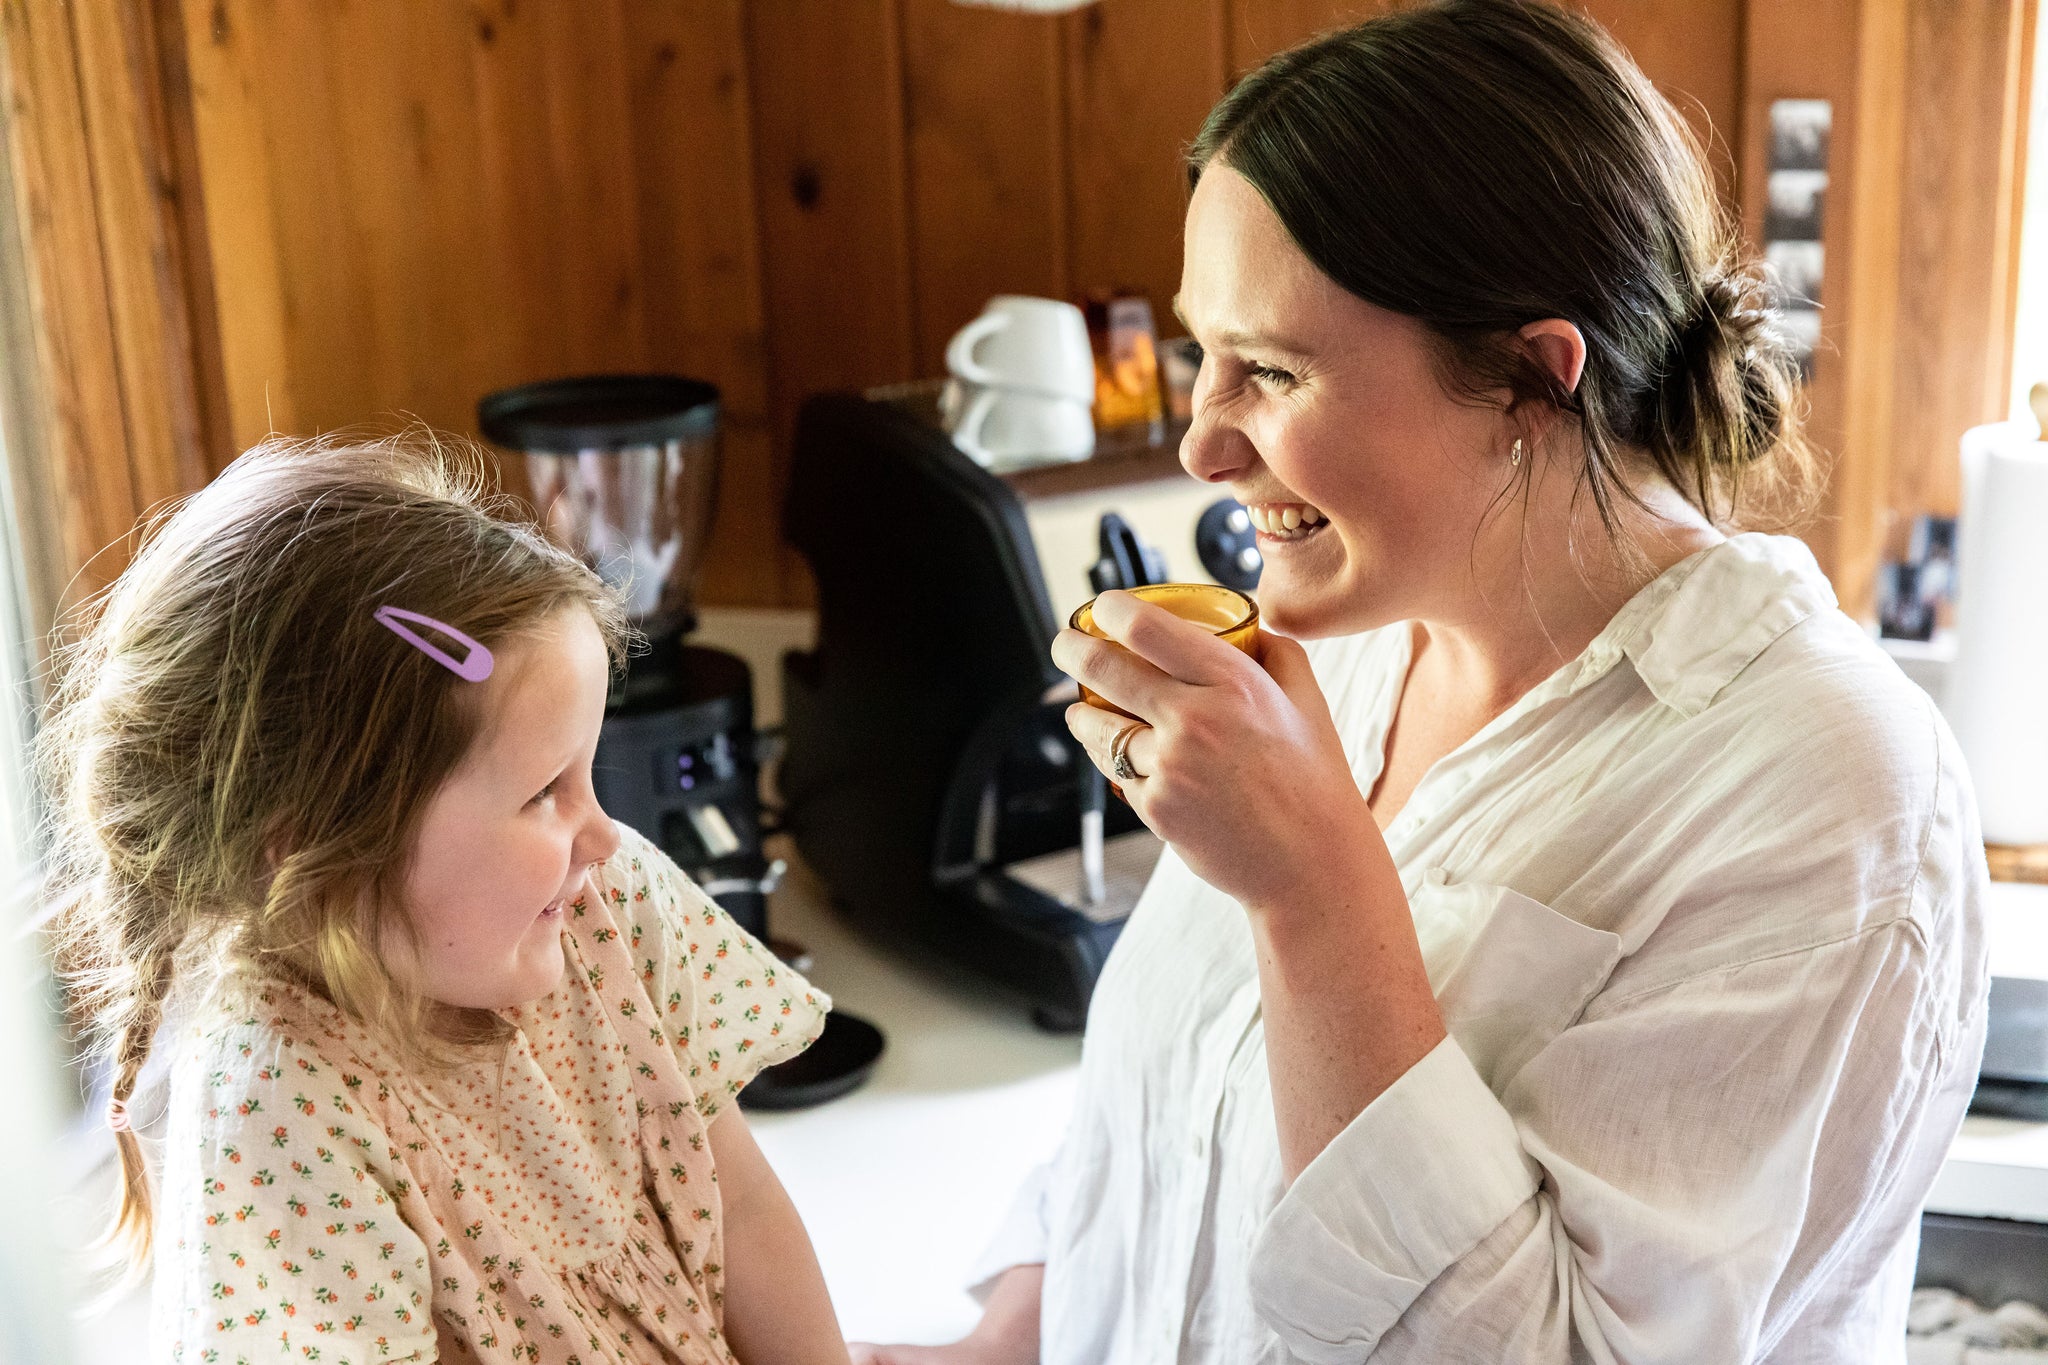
point(1224, 612)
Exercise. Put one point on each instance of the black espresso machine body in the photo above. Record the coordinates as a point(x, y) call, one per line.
point(927, 759)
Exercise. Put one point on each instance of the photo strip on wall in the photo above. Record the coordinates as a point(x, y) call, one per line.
point(1795, 211)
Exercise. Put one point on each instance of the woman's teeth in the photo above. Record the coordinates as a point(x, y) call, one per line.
point(1285, 520)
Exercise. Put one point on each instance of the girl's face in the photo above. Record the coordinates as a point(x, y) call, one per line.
point(1314, 403)
point(509, 840)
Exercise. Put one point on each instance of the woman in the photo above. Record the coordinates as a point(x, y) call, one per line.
point(1574, 950)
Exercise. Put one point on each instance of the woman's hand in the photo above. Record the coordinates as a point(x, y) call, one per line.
point(1241, 769)
point(953, 1353)
point(1006, 1335)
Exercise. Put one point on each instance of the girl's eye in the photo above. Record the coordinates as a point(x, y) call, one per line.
point(546, 792)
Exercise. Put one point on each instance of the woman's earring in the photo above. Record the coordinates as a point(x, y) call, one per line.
point(1516, 458)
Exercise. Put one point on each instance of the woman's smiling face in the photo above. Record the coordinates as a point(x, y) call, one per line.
point(509, 839)
point(1315, 406)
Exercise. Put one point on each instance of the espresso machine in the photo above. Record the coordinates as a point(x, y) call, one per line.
point(928, 776)
point(624, 471)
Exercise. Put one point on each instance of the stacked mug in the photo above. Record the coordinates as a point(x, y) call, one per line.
point(1022, 387)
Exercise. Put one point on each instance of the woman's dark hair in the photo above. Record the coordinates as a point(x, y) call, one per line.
point(1480, 164)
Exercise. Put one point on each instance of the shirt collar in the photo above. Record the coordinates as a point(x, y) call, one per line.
point(1697, 625)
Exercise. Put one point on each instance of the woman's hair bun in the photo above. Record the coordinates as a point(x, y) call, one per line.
point(1732, 379)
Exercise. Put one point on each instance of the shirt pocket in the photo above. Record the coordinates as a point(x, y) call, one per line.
point(1509, 972)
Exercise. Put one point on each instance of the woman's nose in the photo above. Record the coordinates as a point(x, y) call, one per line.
point(1212, 450)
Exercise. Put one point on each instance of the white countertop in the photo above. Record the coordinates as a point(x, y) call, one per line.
point(1998, 1168)
point(902, 1182)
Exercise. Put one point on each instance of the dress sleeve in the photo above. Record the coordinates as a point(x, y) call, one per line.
point(728, 1005)
point(1666, 1181)
point(278, 1235)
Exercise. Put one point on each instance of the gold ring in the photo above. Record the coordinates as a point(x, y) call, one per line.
point(1120, 752)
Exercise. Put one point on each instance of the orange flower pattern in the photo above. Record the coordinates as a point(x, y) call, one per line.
point(555, 1204)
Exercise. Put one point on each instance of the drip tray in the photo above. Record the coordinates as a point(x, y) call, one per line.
point(1127, 862)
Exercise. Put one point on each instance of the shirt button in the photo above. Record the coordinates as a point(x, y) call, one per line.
point(1200, 1147)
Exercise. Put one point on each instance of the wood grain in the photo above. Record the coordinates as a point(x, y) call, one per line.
point(97, 178)
point(1256, 29)
point(407, 203)
point(1693, 50)
point(700, 262)
point(985, 122)
point(1141, 75)
point(835, 233)
point(1799, 49)
point(1962, 158)
point(1862, 320)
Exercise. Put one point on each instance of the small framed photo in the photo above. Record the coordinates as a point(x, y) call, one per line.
point(1799, 134)
point(1797, 269)
point(1796, 206)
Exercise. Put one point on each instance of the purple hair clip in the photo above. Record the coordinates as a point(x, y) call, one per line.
point(474, 666)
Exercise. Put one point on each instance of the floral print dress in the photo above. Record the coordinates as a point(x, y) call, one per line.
point(555, 1203)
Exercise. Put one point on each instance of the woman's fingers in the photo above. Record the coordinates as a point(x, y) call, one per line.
point(1175, 647)
point(1097, 730)
point(1111, 671)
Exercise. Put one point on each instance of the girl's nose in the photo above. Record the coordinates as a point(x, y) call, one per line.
point(600, 838)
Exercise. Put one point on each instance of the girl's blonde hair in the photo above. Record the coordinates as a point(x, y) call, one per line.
point(233, 702)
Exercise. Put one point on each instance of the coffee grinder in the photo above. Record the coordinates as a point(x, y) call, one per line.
point(624, 470)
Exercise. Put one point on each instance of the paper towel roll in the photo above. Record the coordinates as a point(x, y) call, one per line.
point(1998, 690)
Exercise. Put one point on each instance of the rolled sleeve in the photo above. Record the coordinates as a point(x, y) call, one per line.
point(1022, 1239)
point(1411, 1185)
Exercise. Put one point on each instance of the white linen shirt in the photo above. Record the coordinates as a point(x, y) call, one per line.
point(1704, 915)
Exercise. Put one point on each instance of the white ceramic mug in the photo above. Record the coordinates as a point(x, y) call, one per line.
point(1021, 342)
point(1000, 426)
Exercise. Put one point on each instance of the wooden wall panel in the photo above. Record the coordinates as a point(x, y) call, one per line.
point(410, 202)
point(985, 118)
point(1141, 74)
point(93, 487)
point(435, 200)
point(1256, 29)
point(1963, 155)
point(1855, 398)
point(700, 262)
point(835, 239)
point(1692, 49)
point(1798, 49)
point(1916, 336)
point(121, 81)
point(111, 378)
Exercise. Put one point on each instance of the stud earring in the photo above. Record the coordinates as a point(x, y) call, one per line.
point(1516, 457)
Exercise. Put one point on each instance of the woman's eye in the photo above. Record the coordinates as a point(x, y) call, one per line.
point(1268, 374)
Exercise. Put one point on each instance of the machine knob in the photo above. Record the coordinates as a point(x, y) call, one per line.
point(1228, 546)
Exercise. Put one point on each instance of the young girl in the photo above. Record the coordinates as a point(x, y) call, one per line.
point(453, 1053)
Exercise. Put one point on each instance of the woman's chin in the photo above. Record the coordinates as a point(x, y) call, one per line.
point(1297, 601)
point(1302, 606)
